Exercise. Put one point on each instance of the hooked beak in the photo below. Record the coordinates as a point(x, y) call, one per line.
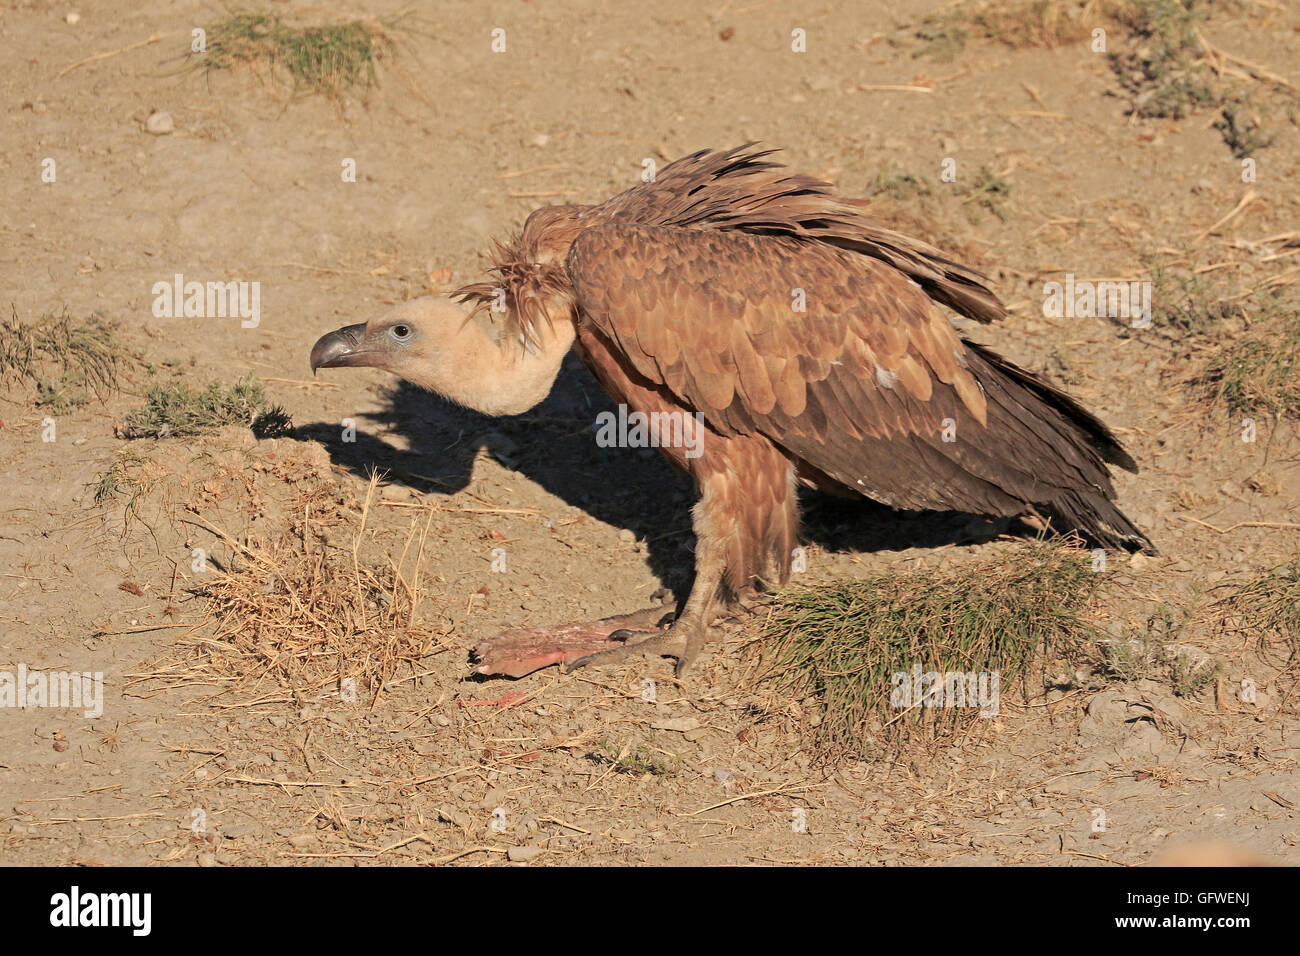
point(340, 348)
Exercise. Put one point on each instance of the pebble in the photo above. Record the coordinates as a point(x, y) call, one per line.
point(454, 816)
point(159, 123)
point(522, 854)
point(72, 17)
point(680, 724)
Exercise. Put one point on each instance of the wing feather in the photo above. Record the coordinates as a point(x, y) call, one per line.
point(860, 386)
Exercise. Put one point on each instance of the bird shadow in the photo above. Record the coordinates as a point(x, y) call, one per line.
point(554, 446)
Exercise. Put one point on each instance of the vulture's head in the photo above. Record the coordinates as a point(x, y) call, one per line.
point(438, 344)
point(408, 340)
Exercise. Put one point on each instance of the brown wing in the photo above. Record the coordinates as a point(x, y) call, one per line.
point(865, 385)
point(741, 189)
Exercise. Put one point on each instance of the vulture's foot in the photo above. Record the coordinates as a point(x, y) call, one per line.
point(516, 653)
point(683, 640)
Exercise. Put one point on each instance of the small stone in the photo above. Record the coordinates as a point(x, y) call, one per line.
point(159, 123)
point(1138, 561)
point(453, 816)
point(207, 859)
point(522, 854)
point(679, 724)
point(72, 17)
point(540, 139)
point(626, 536)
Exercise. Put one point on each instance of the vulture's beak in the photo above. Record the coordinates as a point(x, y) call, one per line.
point(341, 347)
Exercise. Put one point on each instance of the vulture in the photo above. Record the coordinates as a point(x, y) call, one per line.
point(792, 339)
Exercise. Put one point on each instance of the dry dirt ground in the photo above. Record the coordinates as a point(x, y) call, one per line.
point(198, 760)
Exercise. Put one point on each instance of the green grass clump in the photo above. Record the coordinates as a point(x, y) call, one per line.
point(1242, 127)
point(944, 38)
point(1260, 372)
point(1150, 652)
point(901, 186)
point(1160, 68)
point(1267, 606)
point(988, 191)
point(636, 760)
point(178, 411)
point(122, 479)
point(1185, 302)
point(321, 59)
point(1019, 23)
point(62, 359)
point(842, 645)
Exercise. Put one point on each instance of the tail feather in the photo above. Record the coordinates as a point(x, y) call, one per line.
point(1026, 403)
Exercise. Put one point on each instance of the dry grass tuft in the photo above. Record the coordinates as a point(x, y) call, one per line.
point(304, 625)
point(1266, 606)
point(1022, 23)
point(1259, 373)
point(852, 648)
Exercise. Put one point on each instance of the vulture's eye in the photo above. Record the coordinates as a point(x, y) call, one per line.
point(401, 332)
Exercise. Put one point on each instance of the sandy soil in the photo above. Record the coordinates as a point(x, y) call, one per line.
point(456, 145)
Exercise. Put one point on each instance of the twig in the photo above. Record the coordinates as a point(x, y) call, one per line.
point(104, 56)
point(535, 169)
point(746, 796)
point(1245, 524)
point(1246, 200)
point(893, 88)
point(1259, 71)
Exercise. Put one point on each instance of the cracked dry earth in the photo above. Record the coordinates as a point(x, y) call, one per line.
point(453, 147)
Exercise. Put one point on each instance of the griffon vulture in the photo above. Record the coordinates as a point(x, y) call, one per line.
point(802, 344)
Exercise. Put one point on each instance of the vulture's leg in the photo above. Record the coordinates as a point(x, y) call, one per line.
point(688, 634)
